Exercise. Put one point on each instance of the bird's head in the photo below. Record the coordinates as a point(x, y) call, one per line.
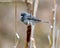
point(23, 14)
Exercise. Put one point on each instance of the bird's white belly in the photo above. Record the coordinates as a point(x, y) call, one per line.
point(29, 22)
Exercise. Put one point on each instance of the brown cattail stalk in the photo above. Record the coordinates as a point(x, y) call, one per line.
point(28, 36)
point(32, 9)
point(29, 9)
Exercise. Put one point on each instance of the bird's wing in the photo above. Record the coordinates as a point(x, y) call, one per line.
point(33, 18)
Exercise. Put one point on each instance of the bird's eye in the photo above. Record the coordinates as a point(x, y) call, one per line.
point(22, 14)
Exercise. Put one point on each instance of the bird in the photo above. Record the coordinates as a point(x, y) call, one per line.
point(27, 19)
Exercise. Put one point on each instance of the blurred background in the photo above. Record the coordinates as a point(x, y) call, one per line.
point(11, 24)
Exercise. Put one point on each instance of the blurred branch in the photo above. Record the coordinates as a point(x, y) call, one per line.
point(54, 25)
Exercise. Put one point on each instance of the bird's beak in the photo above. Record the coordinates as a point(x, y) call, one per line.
point(21, 17)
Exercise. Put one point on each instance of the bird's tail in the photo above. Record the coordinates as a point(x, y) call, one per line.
point(42, 21)
point(38, 20)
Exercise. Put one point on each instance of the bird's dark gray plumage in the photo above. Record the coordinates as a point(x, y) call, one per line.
point(27, 18)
